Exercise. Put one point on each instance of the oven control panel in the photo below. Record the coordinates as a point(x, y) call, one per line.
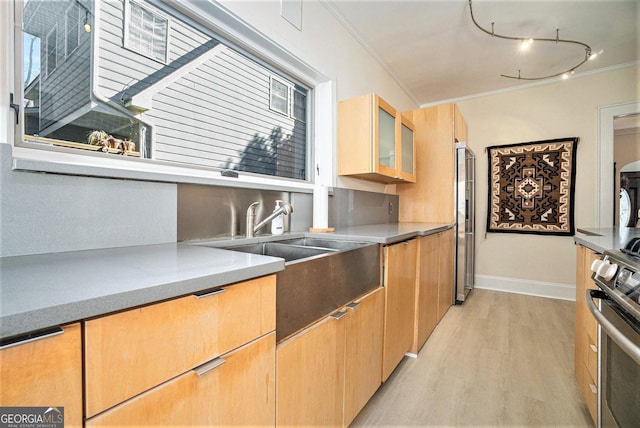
point(618, 274)
point(628, 283)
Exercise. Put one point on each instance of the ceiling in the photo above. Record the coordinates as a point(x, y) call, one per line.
point(436, 54)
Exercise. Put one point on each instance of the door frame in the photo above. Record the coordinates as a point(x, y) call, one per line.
point(605, 183)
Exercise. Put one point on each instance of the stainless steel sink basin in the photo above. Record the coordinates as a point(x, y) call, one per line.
point(320, 276)
point(323, 243)
point(277, 249)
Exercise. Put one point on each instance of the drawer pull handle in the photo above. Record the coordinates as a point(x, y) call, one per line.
point(593, 388)
point(353, 305)
point(338, 315)
point(207, 367)
point(31, 337)
point(209, 293)
point(594, 348)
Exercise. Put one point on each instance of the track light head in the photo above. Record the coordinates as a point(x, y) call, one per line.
point(525, 44)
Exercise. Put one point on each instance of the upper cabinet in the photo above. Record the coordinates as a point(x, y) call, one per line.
point(432, 198)
point(375, 142)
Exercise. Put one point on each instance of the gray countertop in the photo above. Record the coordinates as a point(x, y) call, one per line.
point(41, 291)
point(602, 239)
point(386, 233)
point(44, 290)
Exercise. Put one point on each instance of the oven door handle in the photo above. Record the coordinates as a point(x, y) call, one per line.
point(621, 340)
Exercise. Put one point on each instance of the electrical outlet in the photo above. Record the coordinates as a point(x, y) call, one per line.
point(390, 208)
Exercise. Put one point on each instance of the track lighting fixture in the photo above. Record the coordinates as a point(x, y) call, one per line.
point(527, 42)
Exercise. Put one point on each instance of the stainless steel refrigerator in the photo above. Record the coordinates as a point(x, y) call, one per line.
point(465, 222)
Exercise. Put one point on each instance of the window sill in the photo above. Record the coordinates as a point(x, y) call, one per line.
point(56, 162)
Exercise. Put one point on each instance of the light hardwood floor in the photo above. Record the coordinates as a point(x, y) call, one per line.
point(500, 359)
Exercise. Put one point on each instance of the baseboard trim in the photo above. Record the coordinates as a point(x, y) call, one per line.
point(526, 286)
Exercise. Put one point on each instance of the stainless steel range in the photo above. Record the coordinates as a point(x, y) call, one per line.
point(618, 315)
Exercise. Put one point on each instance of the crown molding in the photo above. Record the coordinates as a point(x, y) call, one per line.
point(533, 84)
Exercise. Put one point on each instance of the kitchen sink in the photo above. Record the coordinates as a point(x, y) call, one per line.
point(333, 244)
point(285, 251)
point(320, 276)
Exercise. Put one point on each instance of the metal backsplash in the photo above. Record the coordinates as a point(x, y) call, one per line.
point(355, 208)
point(206, 212)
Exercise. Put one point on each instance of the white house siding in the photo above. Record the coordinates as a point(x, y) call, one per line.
point(192, 127)
point(67, 89)
point(120, 68)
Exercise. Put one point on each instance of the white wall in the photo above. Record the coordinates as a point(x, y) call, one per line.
point(561, 109)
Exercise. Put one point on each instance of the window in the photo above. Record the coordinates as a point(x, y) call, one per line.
point(72, 25)
point(299, 105)
point(288, 99)
point(147, 32)
point(52, 51)
point(213, 106)
point(279, 100)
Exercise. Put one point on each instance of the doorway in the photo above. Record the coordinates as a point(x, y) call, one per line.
point(607, 196)
point(626, 155)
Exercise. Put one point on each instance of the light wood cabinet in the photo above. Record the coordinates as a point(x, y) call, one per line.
point(586, 336)
point(236, 389)
point(445, 285)
point(399, 285)
point(310, 375)
point(434, 284)
point(375, 142)
point(131, 352)
point(363, 352)
point(431, 197)
point(427, 285)
point(45, 372)
point(328, 372)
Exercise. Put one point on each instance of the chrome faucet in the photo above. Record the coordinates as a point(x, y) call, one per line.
point(252, 228)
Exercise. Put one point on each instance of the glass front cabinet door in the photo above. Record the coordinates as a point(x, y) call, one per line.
point(407, 162)
point(375, 142)
point(385, 144)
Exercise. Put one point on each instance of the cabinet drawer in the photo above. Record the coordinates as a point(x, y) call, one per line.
point(130, 352)
point(591, 360)
point(590, 393)
point(45, 372)
point(237, 389)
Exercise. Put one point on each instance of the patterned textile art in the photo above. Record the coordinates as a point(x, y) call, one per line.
point(531, 187)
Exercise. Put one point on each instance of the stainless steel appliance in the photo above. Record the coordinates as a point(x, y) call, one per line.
point(465, 221)
point(618, 315)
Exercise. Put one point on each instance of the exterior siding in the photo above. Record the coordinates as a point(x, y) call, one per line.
point(68, 87)
point(120, 68)
point(192, 127)
point(216, 116)
point(208, 105)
